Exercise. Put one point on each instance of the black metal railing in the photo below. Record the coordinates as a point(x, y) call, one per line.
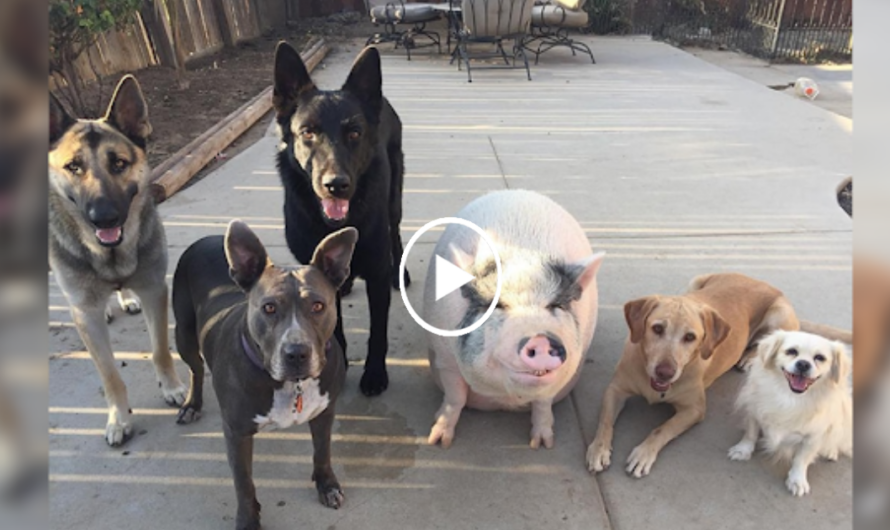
point(795, 30)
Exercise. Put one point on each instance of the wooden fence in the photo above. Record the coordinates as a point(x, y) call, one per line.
point(204, 31)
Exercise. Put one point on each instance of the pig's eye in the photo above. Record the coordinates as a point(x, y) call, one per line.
point(819, 358)
point(658, 329)
point(791, 352)
point(554, 307)
point(269, 308)
point(317, 307)
point(689, 337)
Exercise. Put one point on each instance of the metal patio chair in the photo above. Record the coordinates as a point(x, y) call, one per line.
point(403, 24)
point(551, 22)
point(493, 22)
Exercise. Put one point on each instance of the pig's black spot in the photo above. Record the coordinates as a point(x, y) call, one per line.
point(479, 294)
point(565, 284)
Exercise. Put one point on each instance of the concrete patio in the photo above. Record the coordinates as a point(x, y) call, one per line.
point(674, 166)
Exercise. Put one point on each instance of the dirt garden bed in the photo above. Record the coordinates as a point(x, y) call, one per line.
point(222, 84)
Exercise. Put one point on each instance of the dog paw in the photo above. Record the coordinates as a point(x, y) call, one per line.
point(248, 524)
point(331, 496)
point(640, 461)
point(599, 457)
point(174, 395)
point(248, 519)
point(131, 306)
point(188, 414)
point(109, 315)
point(374, 381)
point(741, 451)
point(117, 433)
point(541, 436)
point(797, 484)
point(832, 456)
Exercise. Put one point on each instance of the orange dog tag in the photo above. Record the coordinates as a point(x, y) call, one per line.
point(299, 403)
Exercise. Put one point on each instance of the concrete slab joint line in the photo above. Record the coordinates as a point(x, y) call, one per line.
point(500, 164)
point(595, 478)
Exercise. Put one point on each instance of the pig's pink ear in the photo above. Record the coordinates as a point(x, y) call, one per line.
point(466, 262)
point(591, 265)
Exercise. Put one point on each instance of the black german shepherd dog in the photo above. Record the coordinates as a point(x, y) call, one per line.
point(341, 164)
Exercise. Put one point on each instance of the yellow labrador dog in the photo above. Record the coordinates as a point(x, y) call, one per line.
point(797, 394)
point(678, 346)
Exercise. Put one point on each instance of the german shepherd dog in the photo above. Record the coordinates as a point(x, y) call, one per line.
point(105, 235)
point(341, 164)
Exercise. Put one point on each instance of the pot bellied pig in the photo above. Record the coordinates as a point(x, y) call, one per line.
point(529, 353)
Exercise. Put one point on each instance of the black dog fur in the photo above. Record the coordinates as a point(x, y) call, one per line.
point(341, 153)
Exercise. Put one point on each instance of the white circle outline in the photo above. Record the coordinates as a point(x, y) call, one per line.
point(403, 262)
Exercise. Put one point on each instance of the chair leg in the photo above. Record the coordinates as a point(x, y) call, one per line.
point(500, 48)
point(560, 37)
point(586, 49)
point(518, 50)
point(464, 56)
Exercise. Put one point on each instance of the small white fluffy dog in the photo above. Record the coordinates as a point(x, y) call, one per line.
point(797, 394)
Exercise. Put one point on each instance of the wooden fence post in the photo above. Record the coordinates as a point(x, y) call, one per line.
point(222, 22)
point(157, 32)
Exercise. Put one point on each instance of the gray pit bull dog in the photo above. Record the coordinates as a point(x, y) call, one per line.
point(266, 338)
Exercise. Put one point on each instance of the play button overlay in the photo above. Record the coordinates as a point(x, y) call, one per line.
point(449, 277)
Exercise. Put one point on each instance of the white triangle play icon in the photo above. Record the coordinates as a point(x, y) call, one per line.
point(449, 277)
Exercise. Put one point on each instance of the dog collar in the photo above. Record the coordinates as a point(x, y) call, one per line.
point(255, 359)
point(251, 354)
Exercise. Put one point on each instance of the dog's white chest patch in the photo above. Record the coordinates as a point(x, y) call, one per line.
point(294, 403)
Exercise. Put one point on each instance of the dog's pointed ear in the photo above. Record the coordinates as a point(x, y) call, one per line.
point(246, 255)
point(128, 111)
point(716, 331)
point(59, 119)
point(768, 347)
point(291, 79)
point(333, 255)
point(840, 363)
point(635, 313)
point(365, 80)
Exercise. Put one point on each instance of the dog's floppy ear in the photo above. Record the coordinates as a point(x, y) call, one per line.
point(128, 111)
point(768, 347)
point(291, 79)
point(365, 80)
point(333, 255)
point(716, 330)
point(635, 313)
point(59, 119)
point(246, 255)
point(840, 363)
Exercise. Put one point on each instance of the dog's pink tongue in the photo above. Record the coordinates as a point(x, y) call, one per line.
point(799, 382)
point(335, 209)
point(109, 235)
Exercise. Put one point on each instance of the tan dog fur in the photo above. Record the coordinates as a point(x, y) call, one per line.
point(703, 334)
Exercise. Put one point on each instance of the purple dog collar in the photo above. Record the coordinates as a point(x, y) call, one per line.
point(251, 354)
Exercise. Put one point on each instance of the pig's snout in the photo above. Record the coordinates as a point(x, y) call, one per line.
point(542, 354)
